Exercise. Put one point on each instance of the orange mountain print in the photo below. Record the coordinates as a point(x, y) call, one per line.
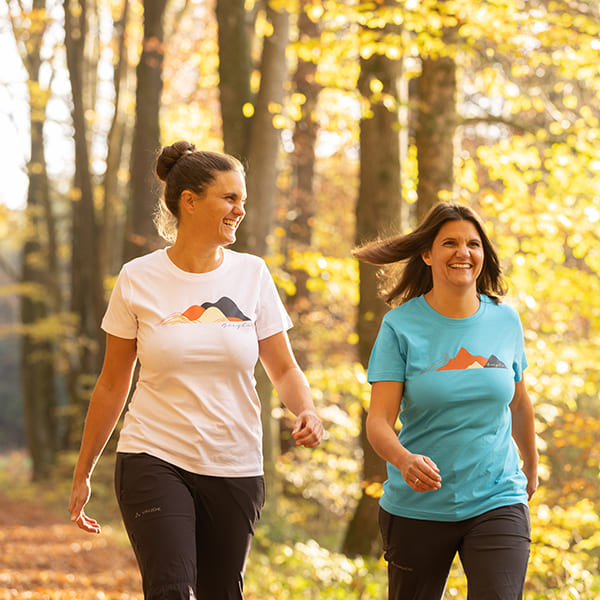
point(193, 312)
point(465, 360)
point(224, 309)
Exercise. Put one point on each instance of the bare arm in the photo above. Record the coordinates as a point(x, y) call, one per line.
point(106, 405)
point(292, 388)
point(419, 471)
point(523, 432)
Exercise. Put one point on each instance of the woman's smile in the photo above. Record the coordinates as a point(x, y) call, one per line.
point(456, 256)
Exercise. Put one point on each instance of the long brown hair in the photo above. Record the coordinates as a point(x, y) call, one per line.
point(407, 276)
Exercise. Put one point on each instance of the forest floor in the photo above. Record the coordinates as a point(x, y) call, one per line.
point(43, 556)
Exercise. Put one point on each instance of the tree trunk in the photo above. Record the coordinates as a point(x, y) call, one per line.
point(378, 211)
point(141, 236)
point(262, 186)
point(87, 292)
point(37, 354)
point(254, 140)
point(234, 75)
point(39, 272)
point(265, 139)
point(435, 130)
point(110, 231)
point(302, 207)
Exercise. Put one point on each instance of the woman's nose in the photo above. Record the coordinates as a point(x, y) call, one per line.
point(462, 250)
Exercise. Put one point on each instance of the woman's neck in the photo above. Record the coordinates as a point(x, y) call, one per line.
point(195, 259)
point(459, 305)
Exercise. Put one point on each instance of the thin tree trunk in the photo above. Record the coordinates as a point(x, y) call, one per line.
point(235, 66)
point(378, 211)
point(39, 271)
point(302, 203)
point(87, 293)
point(262, 186)
point(302, 206)
point(37, 354)
point(265, 139)
point(141, 235)
point(435, 130)
point(110, 250)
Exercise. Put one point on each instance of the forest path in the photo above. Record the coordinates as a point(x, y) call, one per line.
point(46, 557)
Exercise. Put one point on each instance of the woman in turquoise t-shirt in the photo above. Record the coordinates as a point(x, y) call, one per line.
point(448, 361)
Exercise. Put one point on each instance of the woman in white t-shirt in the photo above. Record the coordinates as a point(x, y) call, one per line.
point(197, 316)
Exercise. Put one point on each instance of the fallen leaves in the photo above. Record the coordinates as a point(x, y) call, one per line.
point(42, 558)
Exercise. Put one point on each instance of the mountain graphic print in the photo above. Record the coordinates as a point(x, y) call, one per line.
point(465, 360)
point(224, 309)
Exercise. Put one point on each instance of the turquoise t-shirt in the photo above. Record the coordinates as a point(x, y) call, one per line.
point(459, 379)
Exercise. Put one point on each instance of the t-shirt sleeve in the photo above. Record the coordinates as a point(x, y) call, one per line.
point(388, 357)
point(520, 361)
point(271, 316)
point(120, 319)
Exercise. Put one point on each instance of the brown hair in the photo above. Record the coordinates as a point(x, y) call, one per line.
point(182, 167)
point(407, 275)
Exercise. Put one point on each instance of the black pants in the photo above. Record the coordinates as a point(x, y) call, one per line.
point(493, 548)
point(191, 533)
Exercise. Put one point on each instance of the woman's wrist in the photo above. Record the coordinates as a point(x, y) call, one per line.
point(531, 462)
point(308, 411)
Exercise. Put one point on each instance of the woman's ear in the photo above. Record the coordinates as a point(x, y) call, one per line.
point(186, 201)
point(426, 256)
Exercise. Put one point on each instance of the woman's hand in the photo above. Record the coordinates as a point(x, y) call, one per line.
point(308, 429)
point(531, 473)
point(292, 388)
point(80, 494)
point(420, 473)
point(106, 405)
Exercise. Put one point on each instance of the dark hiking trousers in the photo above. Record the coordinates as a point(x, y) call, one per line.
point(493, 548)
point(191, 533)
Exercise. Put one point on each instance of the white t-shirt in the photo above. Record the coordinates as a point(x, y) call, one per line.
point(195, 404)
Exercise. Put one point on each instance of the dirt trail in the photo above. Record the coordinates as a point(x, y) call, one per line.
point(45, 557)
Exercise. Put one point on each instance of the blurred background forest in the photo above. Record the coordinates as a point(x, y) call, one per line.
point(353, 117)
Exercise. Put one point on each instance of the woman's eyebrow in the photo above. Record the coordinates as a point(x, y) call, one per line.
point(453, 239)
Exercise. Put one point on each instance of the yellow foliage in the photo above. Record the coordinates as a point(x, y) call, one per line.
point(467, 176)
point(375, 490)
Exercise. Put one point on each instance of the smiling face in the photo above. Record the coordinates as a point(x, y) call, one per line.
point(219, 211)
point(456, 256)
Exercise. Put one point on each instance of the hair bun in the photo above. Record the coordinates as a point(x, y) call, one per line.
point(169, 157)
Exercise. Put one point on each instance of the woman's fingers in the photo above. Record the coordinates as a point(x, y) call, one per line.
point(423, 475)
point(308, 430)
point(86, 523)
